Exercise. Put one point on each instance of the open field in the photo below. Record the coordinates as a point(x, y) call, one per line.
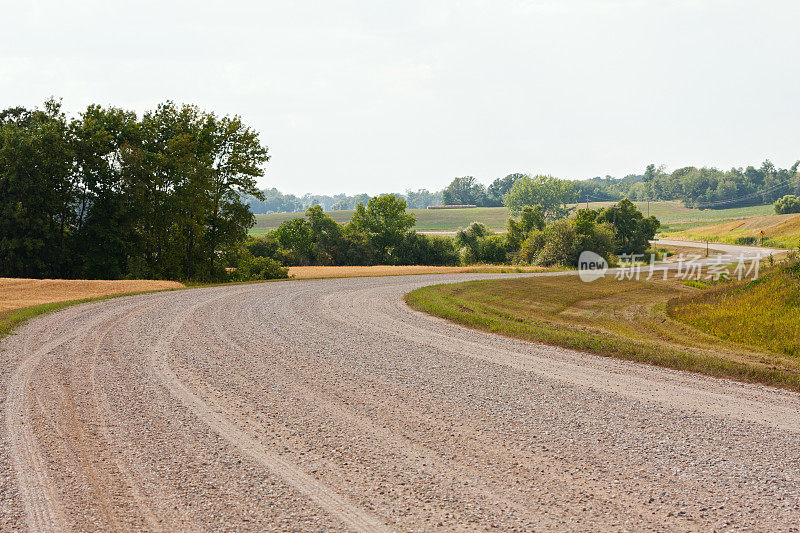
point(673, 215)
point(16, 293)
point(779, 230)
point(427, 219)
point(625, 319)
point(330, 405)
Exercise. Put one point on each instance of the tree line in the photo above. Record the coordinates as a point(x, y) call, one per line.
point(703, 187)
point(109, 194)
point(382, 233)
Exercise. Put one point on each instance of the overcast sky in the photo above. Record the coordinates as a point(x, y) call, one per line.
point(384, 96)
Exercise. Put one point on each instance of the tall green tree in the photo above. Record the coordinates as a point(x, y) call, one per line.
point(464, 191)
point(552, 194)
point(385, 222)
point(38, 192)
point(632, 231)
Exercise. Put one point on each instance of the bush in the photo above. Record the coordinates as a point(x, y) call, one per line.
point(788, 204)
point(258, 268)
point(419, 249)
point(747, 241)
point(492, 249)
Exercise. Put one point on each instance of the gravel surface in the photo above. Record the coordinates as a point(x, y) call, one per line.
point(329, 405)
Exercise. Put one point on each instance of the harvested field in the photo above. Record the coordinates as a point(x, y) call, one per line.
point(16, 293)
point(314, 272)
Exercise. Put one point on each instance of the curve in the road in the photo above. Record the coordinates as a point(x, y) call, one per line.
point(329, 404)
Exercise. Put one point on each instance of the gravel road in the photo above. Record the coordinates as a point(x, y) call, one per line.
point(329, 405)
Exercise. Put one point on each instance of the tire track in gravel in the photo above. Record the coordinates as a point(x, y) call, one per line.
point(434, 463)
point(416, 422)
point(43, 507)
point(216, 417)
point(391, 318)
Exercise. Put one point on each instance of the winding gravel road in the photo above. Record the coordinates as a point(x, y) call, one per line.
point(329, 405)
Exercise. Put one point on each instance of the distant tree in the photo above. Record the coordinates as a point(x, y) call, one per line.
point(550, 193)
point(499, 188)
point(532, 218)
point(296, 238)
point(422, 198)
point(464, 191)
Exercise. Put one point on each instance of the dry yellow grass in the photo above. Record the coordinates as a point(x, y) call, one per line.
point(311, 272)
point(17, 293)
point(779, 229)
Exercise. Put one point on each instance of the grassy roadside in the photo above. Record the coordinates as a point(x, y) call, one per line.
point(623, 319)
point(763, 313)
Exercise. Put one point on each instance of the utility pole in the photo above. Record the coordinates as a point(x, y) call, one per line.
point(706, 247)
point(587, 202)
point(648, 208)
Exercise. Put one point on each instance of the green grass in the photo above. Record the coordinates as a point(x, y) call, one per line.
point(674, 216)
point(623, 319)
point(427, 219)
point(764, 313)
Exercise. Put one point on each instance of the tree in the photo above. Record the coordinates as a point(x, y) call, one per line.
point(532, 218)
point(464, 191)
point(632, 231)
point(550, 193)
point(385, 222)
point(499, 188)
point(38, 192)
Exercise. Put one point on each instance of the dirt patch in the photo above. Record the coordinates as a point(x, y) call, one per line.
point(309, 272)
point(16, 293)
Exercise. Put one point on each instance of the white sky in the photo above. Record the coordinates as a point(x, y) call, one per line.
point(384, 96)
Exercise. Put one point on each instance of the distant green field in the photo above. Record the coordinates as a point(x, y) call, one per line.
point(674, 216)
point(427, 219)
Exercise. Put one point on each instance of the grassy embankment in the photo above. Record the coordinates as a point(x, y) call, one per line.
point(764, 313)
point(674, 216)
point(780, 231)
point(630, 320)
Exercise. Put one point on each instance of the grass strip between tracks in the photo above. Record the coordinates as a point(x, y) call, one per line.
point(623, 319)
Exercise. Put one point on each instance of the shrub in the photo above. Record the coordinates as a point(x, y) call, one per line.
point(258, 268)
point(747, 241)
point(788, 204)
point(419, 249)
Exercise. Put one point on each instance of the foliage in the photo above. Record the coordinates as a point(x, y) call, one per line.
point(704, 187)
point(252, 268)
point(109, 194)
point(464, 191)
point(379, 233)
point(550, 193)
point(788, 204)
point(561, 242)
point(632, 231)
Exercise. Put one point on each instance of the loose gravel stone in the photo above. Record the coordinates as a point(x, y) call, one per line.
point(329, 405)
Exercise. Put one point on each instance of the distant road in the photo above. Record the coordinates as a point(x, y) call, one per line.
point(329, 404)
